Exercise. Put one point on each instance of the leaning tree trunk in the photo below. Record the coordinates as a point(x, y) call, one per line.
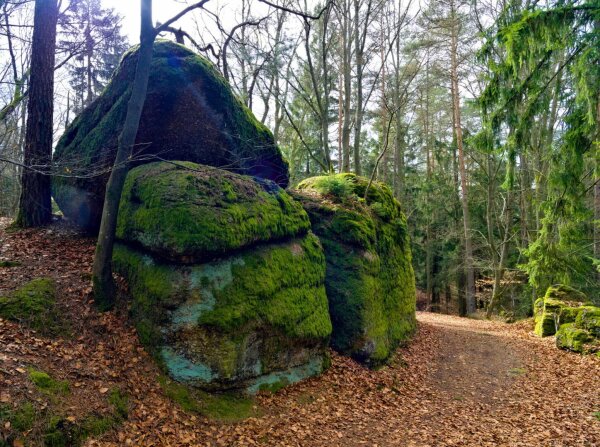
point(34, 204)
point(104, 287)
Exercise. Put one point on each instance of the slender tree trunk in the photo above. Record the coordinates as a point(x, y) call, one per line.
point(469, 261)
point(347, 75)
point(499, 271)
point(359, 89)
point(35, 203)
point(340, 122)
point(104, 288)
point(399, 143)
point(597, 196)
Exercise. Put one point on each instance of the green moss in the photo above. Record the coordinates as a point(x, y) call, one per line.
point(561, 304)
point(34, 305)
point(545, 324)
point(572, 338)
point(48, 427)
point(221, 406)
point(214, 313)
point(282, 285)
point(565, 294)
point(47, 384)
point(21, 419)
point(9, 264)
point(588, 318)
point(120, 403)
point(191, 215)
point(370, 281)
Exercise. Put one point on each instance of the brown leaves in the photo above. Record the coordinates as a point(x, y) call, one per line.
point(461, 382)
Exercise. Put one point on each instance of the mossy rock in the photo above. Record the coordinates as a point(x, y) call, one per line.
point(588, 318)
point(34, 305)
point(255, 317)
point(190, 114)
point(370, 280)
point(188, 213)
point(561, 304)
point(572, 338)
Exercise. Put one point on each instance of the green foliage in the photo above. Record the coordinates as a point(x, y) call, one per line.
point(34, 305)
point(191, 212)
point(539, 54)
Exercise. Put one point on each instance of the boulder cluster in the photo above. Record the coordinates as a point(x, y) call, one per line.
point(568, 314)
point(236, 283)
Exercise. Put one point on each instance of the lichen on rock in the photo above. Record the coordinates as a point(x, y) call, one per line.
point(370, 281)
point(190, 113)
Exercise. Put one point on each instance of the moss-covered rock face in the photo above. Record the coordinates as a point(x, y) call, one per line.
point(255, 317)
point(188, 213)
point(190, 114)
point(561, 304)
point(370, 281)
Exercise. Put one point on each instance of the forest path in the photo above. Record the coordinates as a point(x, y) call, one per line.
point(459, 382)
point(472, 362)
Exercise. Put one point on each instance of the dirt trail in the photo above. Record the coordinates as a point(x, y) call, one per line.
point(460, 382)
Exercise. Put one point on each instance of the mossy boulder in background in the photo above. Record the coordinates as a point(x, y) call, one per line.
point(190, 113)
point(572, 338)
point(561, 304)
point(370, 280)
point(227, 280)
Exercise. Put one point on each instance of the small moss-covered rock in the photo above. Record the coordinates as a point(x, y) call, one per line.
point(561, 304)
point(370, 281)
point(190, 113)
point(572, 338)
point(34, 305)
point(187, 212)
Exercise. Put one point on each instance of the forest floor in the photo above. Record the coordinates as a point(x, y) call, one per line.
point(460, 382)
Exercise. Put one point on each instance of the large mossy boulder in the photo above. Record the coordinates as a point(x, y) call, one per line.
point(561, 304)
point(190, 114)
point(227, 281)
point(370, 280)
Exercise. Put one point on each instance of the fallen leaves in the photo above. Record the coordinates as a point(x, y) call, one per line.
point(459, 383)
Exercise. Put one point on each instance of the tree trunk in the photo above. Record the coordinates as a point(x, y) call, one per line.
point(104, 288)
point(359, 90)
point(35, 204)
point(469, 262)
point(499, 271)
point(347, 79)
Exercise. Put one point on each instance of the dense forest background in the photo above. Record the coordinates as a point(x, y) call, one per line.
point(482, 116)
